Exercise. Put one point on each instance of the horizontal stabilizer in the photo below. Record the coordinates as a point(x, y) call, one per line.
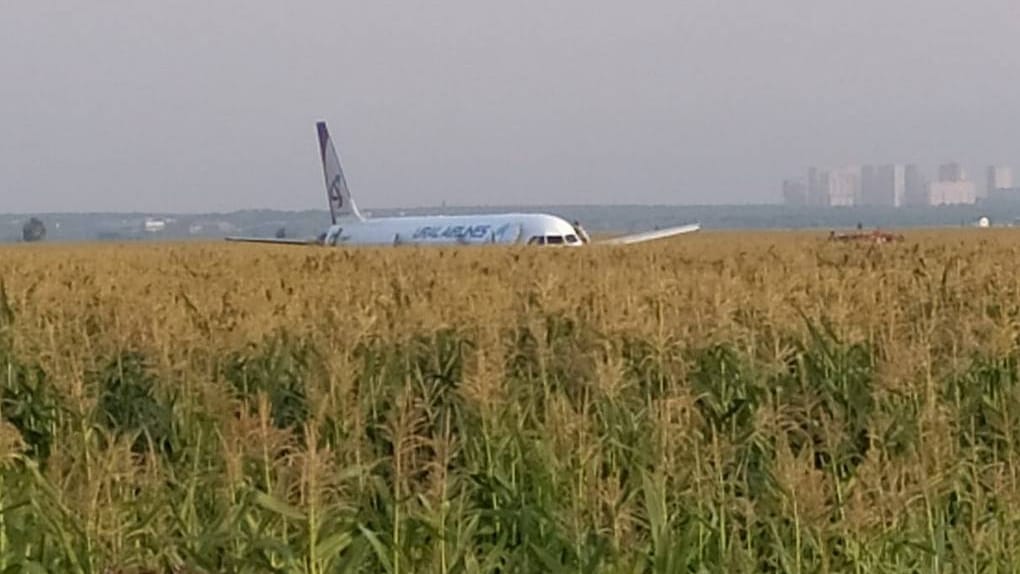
point(651, 235)
point(273, 240)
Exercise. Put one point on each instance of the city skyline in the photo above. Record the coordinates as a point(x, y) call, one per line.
point(898, 185)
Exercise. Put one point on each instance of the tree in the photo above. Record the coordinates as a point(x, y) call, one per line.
point(34, 230)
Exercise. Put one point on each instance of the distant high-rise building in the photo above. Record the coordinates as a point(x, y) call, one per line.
point(952, 188)
point(817, 186)
point(949, 172)
point(999, 177)
point(893, 179)
point(883, 185)
point(915, 187)
point(952, 192)
point(795, 192)
point(834, 187)
point(845, 186)
point(870, 188)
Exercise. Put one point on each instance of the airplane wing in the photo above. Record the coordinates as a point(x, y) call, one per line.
point(651, 235)
point(273, 240)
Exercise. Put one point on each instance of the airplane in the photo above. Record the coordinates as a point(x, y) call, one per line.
point(350, 227)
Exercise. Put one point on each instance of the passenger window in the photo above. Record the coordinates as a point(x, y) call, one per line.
point(554, 240)
point(572, 239)
point(536, 240)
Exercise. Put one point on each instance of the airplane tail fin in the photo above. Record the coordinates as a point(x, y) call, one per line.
point(341, 204)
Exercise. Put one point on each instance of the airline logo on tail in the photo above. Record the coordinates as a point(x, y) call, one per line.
point(335, 197)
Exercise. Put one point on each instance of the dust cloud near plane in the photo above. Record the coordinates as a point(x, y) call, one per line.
point(350, 227)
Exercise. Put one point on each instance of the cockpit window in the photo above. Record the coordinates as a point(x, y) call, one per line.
point(553, 240)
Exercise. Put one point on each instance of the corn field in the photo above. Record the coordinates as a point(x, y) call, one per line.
point(723, 402)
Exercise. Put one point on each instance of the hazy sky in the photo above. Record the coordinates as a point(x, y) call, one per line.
point(195, 105)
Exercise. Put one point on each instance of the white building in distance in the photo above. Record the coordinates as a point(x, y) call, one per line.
point(952, 193)
point(834, 187)
point(999, 177)
point(952, 188)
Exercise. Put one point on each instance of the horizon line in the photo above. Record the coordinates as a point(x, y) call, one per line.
point(448, 206)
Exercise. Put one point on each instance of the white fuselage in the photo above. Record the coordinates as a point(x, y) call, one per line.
point(501, 229)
